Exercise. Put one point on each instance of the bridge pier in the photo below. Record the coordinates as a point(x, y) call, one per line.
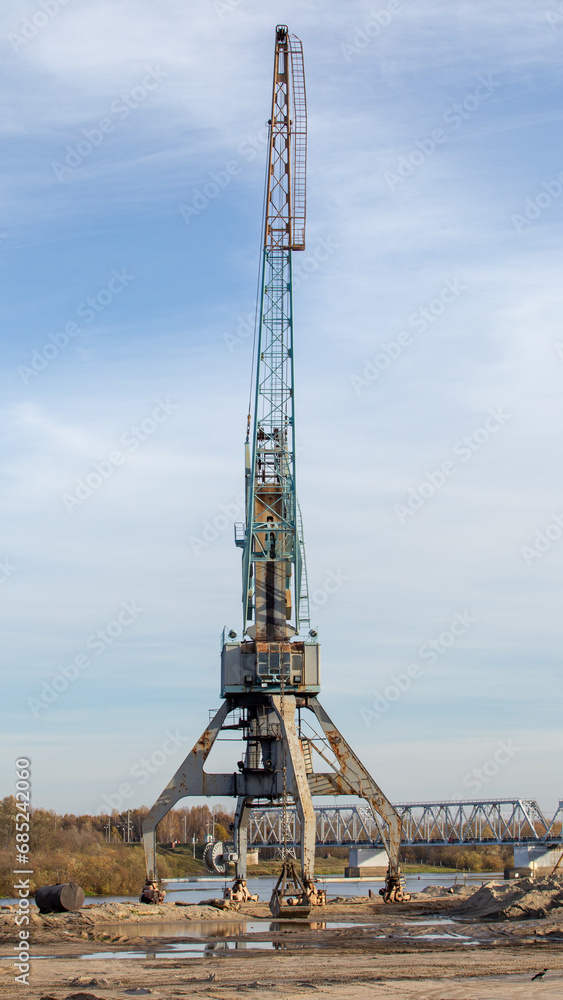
point(366, 862)
point(532, 858)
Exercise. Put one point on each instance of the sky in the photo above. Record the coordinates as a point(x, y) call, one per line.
point(429, 370)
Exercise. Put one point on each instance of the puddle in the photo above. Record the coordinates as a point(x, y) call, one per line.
point(229, 932)
point(434, 920)
point(417, 938)
point(441, 937)
point(211, 931)
point(222, 929)
point(7, 958)
point(196, 928)
point(211, 949)
point(313, 925)
point(184, 949)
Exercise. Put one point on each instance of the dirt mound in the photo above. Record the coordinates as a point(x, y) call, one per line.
point(525, 900)
point(439, 891)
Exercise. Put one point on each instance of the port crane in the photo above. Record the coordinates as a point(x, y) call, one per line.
point(270, 672)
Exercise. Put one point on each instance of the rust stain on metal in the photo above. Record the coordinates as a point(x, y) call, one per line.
point(205, 743)
point(342, 786)
point(341, 755)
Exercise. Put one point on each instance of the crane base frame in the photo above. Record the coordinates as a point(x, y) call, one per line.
point(348, 777)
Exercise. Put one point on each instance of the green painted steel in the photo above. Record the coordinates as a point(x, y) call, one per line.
point(273, 525)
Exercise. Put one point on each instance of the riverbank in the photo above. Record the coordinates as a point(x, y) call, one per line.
point(446, 943)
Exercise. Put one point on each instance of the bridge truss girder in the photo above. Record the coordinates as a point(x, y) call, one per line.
point(424, 824)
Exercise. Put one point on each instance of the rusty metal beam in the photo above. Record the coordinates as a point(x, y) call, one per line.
point(240, 835)
point(286, 708)
point(190, 779)
point(354, 779)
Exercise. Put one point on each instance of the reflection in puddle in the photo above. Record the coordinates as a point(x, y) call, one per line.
point(420, 938)
point(196, 928)
point(212, 949)
point(222, 938)
point(436, 937)
point(286, 926)
point(415, 922)
point(185, 949)
point(213, 930)
point(222, 929)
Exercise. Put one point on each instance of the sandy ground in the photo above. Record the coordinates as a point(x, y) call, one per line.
point(388, 952)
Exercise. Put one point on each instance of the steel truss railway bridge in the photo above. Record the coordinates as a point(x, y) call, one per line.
point(425, 824)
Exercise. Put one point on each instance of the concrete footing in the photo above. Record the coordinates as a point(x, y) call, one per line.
point(376, 871)
point(524, 872)
point(366, 862)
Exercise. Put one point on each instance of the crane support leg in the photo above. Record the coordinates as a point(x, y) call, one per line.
point(190, 779)
point(286, 708)
point(354, 778)
point(242, 817)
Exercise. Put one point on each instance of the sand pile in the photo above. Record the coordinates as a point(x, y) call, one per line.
point(525, 900)
point(116, 912)
point(439, 891)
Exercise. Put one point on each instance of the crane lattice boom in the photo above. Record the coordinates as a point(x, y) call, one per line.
point(272, 560)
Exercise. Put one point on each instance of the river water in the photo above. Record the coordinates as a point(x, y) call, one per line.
point(204, 887)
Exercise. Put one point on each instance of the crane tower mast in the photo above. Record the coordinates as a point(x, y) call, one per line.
point(272, 564)
point(272, 671)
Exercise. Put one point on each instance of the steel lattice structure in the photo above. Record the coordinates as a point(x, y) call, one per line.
point(270, 673)
point(271, 542)
point(424, 824)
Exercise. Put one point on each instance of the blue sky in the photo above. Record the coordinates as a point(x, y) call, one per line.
point(429, 374)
